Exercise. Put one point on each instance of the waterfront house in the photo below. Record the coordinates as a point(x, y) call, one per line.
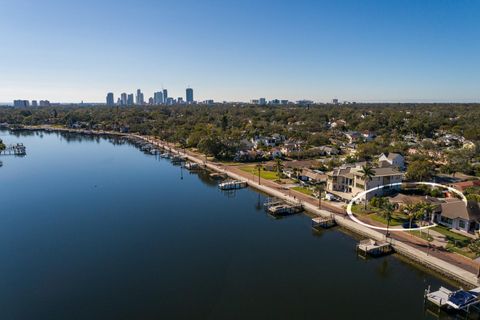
point(346, 181)
point(457, 215)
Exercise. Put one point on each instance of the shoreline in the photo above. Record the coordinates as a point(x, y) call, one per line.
point(438, 265)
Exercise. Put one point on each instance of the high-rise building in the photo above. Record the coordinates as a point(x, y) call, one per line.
point(335, 101)
point(165, 95)
point(34, 103)
point(262, 101)
point(44, 103)
point(180, 100)
point(21, 103)
point(140, 99)
point(130, 101)
point(110, 99)
point(123, 100)
point(189, 95)
point(158, 98)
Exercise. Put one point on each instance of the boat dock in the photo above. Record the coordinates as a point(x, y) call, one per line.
point(461, 300)
point(192, 166)
point(324, 222)
point(233, 185)
point(374, 248)
point(15, 149)
point(278, 208)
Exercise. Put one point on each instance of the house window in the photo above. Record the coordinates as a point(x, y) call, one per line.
point(446, 220)
point(461, 224)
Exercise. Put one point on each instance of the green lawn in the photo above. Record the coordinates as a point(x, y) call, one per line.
point(423, 235)
point(360, 209)
point(303, 190)
point(463, 251)
point(269, 175)
point(451, 235)
point(381, 219)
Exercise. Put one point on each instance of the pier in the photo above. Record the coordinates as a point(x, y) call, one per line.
point(374, 248)
point(232, 185)
point(324, 222)
point(278, 207)
point(460, 300)
point(15, 150)
point(192, 166)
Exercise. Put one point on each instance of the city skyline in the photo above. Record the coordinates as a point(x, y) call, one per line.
point(371, 51)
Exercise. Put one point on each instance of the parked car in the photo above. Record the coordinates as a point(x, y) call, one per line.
point(406, 225)
point(330, 197)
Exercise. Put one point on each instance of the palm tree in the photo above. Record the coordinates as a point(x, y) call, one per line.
point(367, 175)
point(259, 167)
point(427, 209)
point(279, 167)
point(388, 209)
point(415, 211)
point(320, 189)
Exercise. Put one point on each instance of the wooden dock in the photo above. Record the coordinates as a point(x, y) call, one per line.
point(324, 222)
point(15, 150)
point(281, 208)
point(233, 185)
point(460, 300)
point(192, 166)
point(374, 248)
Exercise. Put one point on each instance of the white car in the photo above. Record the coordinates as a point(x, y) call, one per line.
point(330, 197)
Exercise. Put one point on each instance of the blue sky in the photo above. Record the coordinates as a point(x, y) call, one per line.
point(68, 51)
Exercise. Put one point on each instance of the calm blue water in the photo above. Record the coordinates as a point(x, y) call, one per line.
point(93, 230)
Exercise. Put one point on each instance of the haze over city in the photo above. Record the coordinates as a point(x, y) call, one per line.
point(237, 51)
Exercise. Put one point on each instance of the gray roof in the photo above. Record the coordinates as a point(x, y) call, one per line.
point(458, 209)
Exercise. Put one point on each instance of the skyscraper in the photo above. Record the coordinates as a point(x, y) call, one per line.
point(123, 99)
point(21, 103)
point(130, 100)
point(158, 98)
point(165, 95)
point(110, 99)
point(189, 94)
point(140, 99)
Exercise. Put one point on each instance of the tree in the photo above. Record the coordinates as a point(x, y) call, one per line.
point(388, 209)
point(259, 167)
point(279, 167)
point(2, 145)
point(414, 211)
point(420, 170)
point(320, 188)
point(367, 175)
